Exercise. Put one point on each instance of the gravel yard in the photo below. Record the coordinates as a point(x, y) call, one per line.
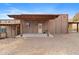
point(62, 44)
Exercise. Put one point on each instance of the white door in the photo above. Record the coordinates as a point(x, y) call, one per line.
point(39, 27)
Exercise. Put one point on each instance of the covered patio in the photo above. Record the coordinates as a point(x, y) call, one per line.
point(76, 23)
point(11, 29)
point(34, 23)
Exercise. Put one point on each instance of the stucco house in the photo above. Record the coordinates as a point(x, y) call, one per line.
point(35, 23)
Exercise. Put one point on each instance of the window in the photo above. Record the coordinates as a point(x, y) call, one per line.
point(28, 24)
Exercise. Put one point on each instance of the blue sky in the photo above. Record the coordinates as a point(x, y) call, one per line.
point(44, 8)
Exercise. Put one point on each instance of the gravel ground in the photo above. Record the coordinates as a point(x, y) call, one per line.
point(62, 44)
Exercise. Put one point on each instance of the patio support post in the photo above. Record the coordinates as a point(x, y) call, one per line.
point(48, 29)
point(77, 27)
point(6, 33)
point(11, 30)
point(21, 29)
point(16, 30)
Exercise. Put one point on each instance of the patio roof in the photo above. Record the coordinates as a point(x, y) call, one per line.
point(34, 16)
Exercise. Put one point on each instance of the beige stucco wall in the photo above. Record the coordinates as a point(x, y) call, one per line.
point(51, 26)
point(58, 25)
point(45, 26)
point(33, 26)
point(26, 29)
point(64, 23)
point(11, 31)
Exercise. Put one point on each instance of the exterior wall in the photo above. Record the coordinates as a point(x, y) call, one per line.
point(33, 26)
point(64, 23)
point(26, 29)
point(2, 32)
point(51, 26)
point(11, 32)
point(8, 29)
point(2, 35)
point(45, 26)
point(59, 25)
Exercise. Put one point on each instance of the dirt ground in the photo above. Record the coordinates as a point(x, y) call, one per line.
point(62, 44)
